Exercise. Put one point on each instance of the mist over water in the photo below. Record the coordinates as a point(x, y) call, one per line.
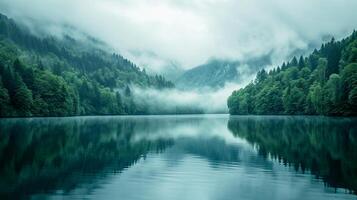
point(189, 34)
point(119, 60)
point(178, 157)
point(204, 100)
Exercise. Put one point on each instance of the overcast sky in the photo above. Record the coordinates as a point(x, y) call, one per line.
point(189, 32)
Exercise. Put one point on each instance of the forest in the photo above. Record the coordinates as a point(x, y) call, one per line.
point(69, 76)
point(50, 76)
point(323, 83)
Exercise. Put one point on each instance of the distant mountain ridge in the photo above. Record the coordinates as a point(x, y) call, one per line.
point(213, 74)
point(216, 73)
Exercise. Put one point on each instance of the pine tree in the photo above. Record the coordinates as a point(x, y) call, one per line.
point(294, 62)
point(4, 100)
point(119, 103)
point(301, 63)
point(22, 99)
point(127, 91)
point(40, 107)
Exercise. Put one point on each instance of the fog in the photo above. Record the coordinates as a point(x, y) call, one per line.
point(189, 32)
point(170, 36)
point(171, 101)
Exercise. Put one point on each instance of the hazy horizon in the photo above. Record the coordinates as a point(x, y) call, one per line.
point(164, 35)
point(178, 99)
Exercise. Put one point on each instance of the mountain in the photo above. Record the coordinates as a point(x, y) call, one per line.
point(216, 73)
point(155, 64)
point(212, 74)
point(323, 83)
point(61, 76)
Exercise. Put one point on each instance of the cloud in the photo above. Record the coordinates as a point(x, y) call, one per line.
point(189, 32)
point(166, 35)
point(177, 101)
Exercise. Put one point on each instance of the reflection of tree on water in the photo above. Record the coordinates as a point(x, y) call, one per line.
point(44, 155)
point(325, 146)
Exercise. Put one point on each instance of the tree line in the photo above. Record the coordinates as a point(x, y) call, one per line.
point(47, 76)
point(323, 83)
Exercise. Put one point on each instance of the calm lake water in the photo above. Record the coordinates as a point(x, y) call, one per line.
point(179, 157)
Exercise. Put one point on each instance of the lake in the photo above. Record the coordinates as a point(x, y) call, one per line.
point(179, 157)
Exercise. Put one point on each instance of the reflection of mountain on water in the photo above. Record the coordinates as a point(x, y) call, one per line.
point(206, 138)
point(67, 155)
point(45, 155)
point(217, 152)
point(62, 154)
point(325, 146)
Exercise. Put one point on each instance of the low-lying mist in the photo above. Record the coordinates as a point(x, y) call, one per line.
point(176, 101)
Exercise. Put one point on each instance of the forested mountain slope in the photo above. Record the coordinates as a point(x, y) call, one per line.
point(212, 74)
point(217, 72)
point(323, 83)
point(50, 76)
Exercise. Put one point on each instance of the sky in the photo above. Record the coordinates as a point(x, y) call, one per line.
point(187, 33)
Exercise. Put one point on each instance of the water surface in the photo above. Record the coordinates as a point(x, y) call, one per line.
point(179, 157)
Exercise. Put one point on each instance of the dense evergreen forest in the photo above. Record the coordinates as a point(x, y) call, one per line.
point(49, 76)
point(323, 83)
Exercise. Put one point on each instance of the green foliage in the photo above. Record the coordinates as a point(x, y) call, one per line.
point(22, 97)
point(271, 102)
point(52, 90)
point(334, 90)
point(40, 106)
point(4, 100)
point(238, 103)
point(293, 100)
point(324, 83)
point(349, 78)
point(261, 76)
point(315, 97)
point(62, 77)
point(352, 97)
